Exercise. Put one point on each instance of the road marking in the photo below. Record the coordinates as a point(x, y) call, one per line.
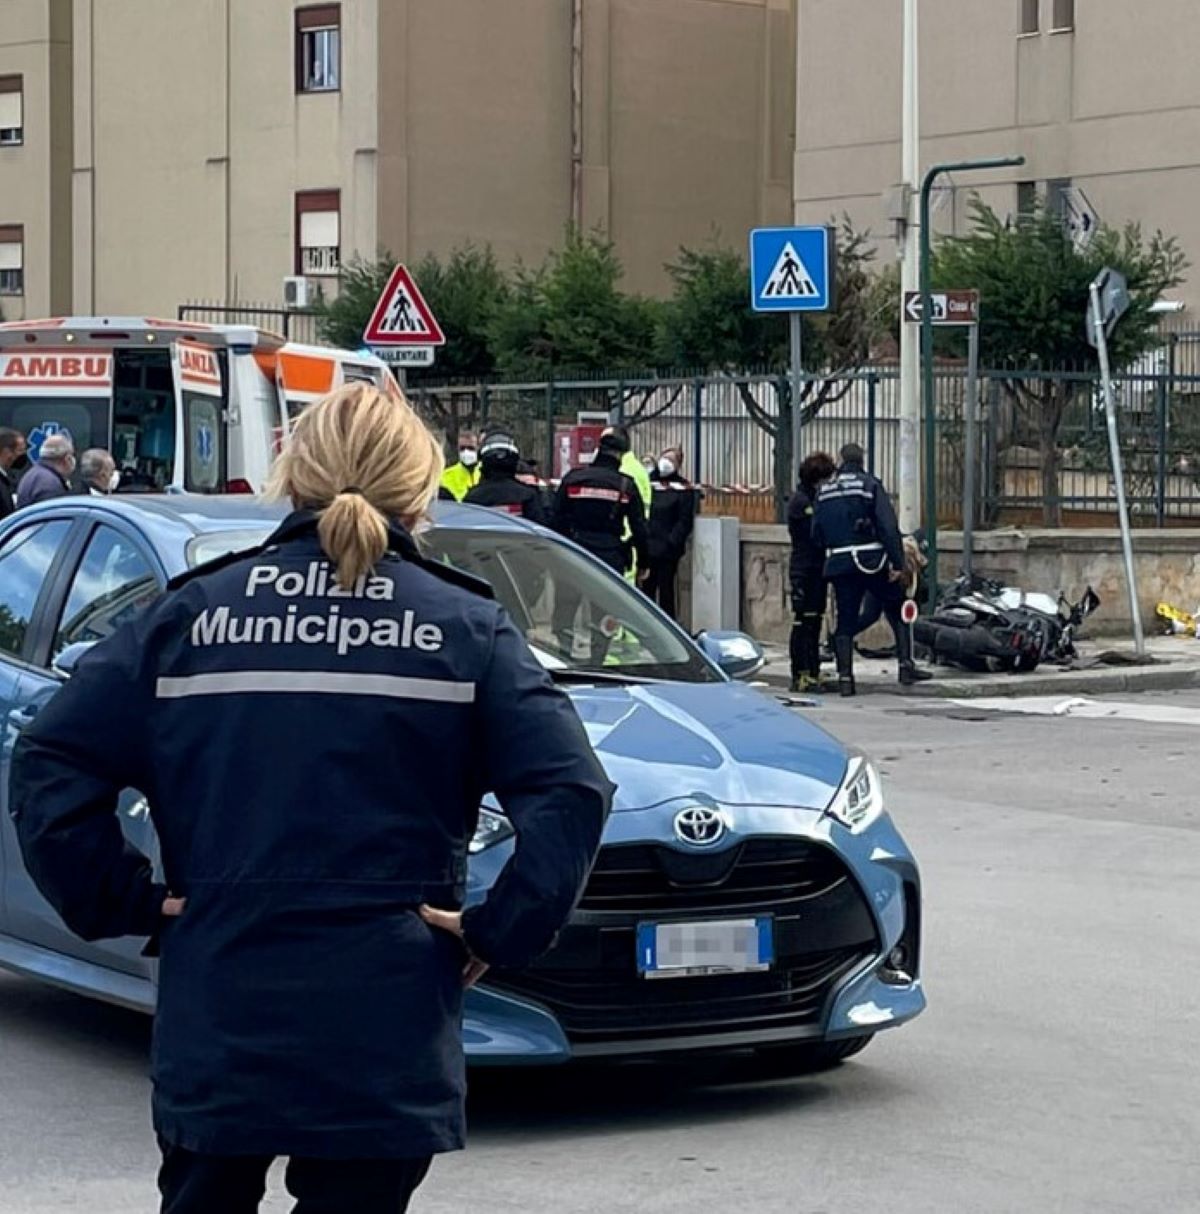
point(1087, 709)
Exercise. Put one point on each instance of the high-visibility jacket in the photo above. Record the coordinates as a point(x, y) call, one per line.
point(460, 480)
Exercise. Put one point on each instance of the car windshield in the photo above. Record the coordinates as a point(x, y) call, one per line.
point(215, 544)
point(575, 614)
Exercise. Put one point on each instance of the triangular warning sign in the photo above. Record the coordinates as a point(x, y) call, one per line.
point(402, 317)
point(790, 278)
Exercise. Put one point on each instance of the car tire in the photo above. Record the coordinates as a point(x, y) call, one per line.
point(809, 1057)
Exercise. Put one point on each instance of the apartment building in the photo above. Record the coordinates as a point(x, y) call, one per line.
point(178, 150)
point(1102, 96)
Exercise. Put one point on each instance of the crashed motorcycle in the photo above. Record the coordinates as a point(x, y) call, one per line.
point(983, 625)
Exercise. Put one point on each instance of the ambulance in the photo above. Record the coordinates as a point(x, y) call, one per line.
point(183, 407)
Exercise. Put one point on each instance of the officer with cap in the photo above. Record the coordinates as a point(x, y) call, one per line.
point(854, 522)
point(595, 504)
point(501, 486)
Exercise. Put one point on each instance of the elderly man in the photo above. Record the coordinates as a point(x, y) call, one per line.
point(50, 476)
point(98, 471)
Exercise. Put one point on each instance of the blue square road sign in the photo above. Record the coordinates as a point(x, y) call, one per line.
point(791, 269)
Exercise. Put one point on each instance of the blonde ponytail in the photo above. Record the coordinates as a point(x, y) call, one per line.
point(358, 458)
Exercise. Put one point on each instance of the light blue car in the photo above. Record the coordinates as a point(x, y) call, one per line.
point(752, 891)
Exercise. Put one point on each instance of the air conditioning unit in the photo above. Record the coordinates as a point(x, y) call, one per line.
point(297, 292)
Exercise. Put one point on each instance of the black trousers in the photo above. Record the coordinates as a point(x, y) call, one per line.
point(851, 589)
point(809, 595)
point(660, 584)
point(235, 1184)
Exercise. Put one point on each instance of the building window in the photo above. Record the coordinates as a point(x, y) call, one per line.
point(318, 232)
point(1029, 16)
point(12, 112)
point(318, 48)
point(1063, 16)
point(1056, 195)
point(1026, 198)
point(12, 259)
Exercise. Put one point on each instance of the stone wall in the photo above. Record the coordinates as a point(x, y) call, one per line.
point(1167, 565)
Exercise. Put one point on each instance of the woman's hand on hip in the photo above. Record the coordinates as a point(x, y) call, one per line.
point(451, 922)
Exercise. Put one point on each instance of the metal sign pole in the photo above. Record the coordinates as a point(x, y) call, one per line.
point(794, 334)
point(970, 442)
point(1114, 451)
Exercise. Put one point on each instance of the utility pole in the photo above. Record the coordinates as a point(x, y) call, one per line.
point(909, 485)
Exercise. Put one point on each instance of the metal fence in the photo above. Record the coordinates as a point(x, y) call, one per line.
point(295, 324)
point(724, 425)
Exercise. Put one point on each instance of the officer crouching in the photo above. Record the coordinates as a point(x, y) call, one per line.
point(854, 522)
point(314, 724)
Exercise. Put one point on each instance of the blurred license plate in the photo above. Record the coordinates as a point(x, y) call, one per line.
point(724, 946)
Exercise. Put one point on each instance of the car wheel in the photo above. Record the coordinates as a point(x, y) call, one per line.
point(808, 1057)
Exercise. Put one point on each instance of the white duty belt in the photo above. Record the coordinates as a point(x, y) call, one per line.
point(854, 549)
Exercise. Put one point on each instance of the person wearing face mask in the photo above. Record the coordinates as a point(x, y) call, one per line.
point(12, 460)
point(672, 515)
point(50, 477)
point(98, 471)
point(459, 479)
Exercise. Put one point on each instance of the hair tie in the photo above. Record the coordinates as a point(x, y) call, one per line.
point(351, 489)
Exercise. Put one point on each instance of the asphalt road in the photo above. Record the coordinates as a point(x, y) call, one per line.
point(1056, 1070)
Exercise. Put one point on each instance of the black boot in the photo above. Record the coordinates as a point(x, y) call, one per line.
point(843, 648)
point(910, 672)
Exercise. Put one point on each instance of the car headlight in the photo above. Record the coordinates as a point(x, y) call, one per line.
point(493, 828)
point(859, 801)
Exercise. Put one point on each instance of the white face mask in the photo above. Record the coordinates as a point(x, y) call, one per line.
point(666, 467)
point(468, 457)
point(114, 480)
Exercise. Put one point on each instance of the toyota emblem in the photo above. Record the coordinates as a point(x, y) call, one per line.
point(699, 826)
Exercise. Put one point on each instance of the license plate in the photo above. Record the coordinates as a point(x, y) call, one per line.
point(724, 946)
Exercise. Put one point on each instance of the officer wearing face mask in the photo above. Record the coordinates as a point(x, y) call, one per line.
point(98, 471)
point(672, 515)
point(50, 477)
point(13, 461)
point(460, 478)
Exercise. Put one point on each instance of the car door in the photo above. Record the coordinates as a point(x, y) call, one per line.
point(29, 558)
point(113, 577)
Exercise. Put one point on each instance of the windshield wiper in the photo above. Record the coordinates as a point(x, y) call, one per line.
point(578, 675)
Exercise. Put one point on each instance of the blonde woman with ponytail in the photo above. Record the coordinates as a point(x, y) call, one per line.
point(314, 724)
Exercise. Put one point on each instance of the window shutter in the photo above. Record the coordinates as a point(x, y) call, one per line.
point(319, 230)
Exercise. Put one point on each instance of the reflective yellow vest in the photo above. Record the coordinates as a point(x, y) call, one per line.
point(460, 480)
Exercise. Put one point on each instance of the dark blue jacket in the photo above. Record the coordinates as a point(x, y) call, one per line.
point(313, 762)
point(40, 484)
point(855, 523)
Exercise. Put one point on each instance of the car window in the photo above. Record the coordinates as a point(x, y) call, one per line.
point(113, 582)
point(574, 613)
point(24, 562)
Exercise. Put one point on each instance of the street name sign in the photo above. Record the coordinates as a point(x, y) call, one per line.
point(947, 307)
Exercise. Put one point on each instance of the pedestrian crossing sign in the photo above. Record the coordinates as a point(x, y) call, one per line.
point(791, 269)
point(402, 317)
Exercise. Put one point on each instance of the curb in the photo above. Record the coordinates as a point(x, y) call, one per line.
point(1069, 682)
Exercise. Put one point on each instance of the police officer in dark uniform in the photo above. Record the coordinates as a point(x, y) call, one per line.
point(855, 524)
point(596, 502)
point(499, 486)
point(313, 724)
point(806, 572)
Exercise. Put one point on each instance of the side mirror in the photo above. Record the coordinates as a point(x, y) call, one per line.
point(739, 656)
point(64, 665)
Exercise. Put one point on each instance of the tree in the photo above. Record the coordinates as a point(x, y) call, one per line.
point(708, 324)
point(1033, 284)
point(569, 315)
point(464, 292)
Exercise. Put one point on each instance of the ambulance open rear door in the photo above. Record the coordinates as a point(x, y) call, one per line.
point(200, 375)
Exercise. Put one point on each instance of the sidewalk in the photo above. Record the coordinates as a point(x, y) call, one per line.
point(1172, 663)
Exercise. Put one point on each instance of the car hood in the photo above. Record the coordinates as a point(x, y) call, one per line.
point(715, 742)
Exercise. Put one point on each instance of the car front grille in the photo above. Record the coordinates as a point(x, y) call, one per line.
point(823, 930)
